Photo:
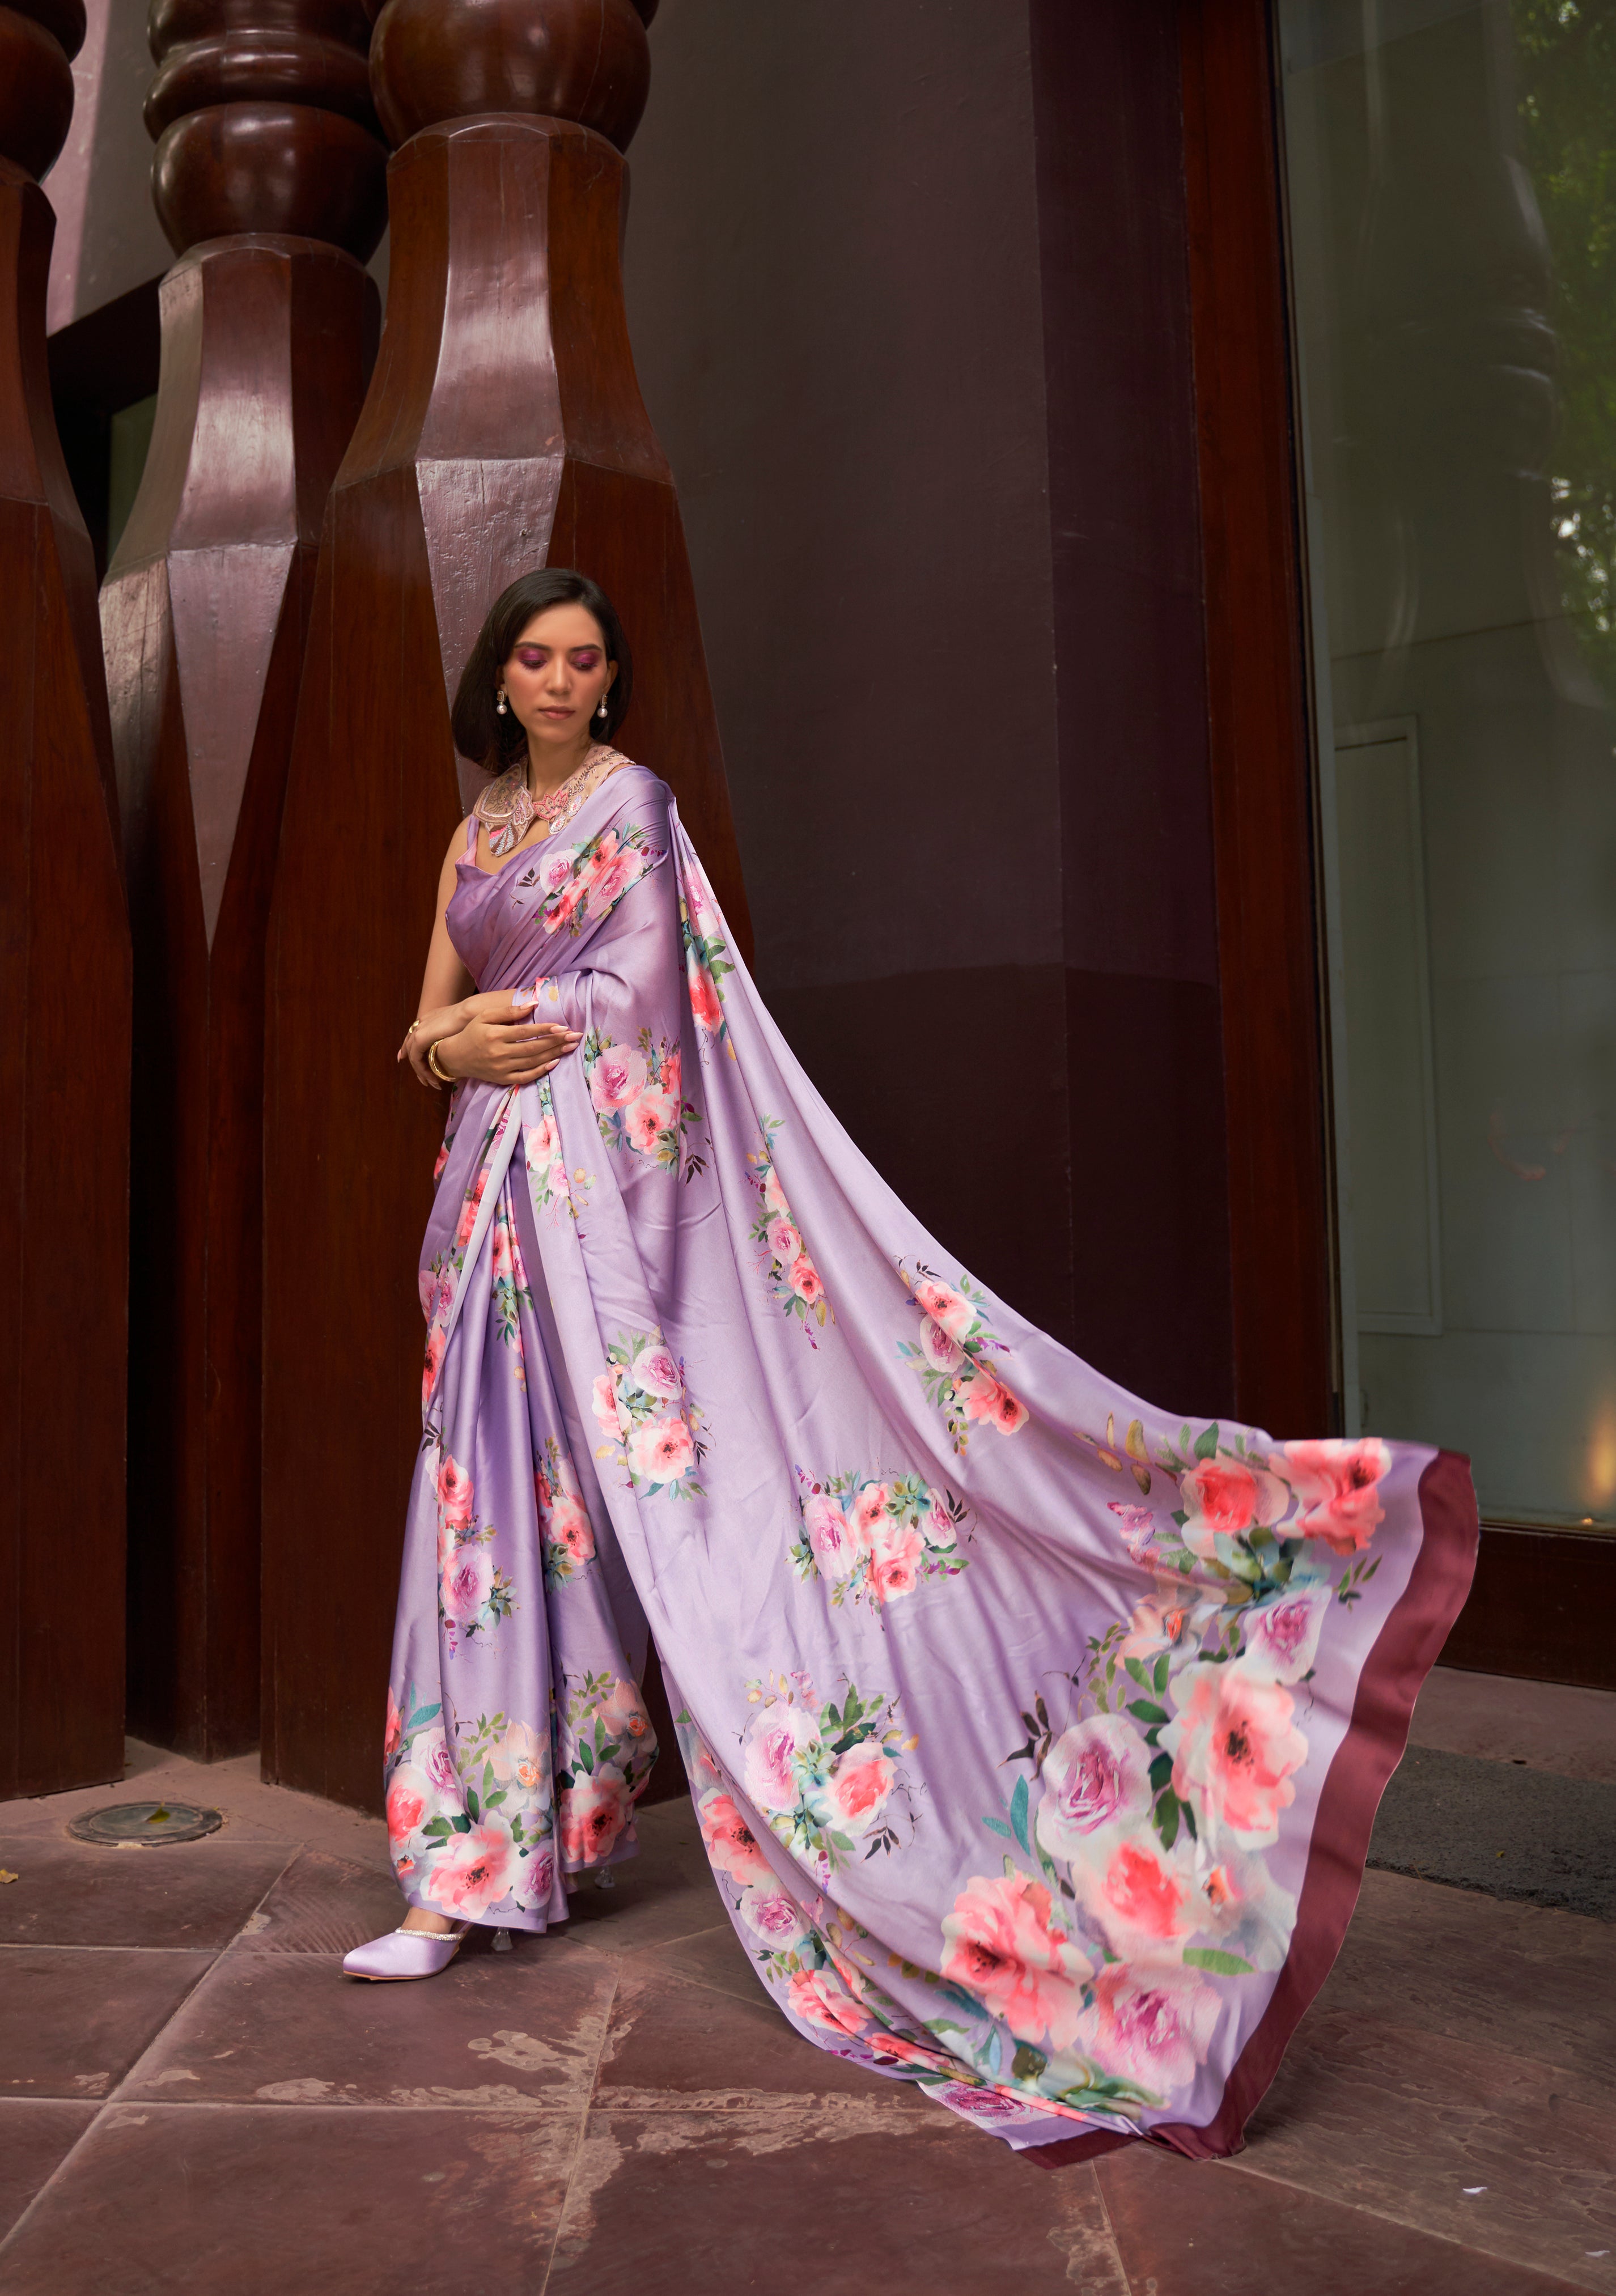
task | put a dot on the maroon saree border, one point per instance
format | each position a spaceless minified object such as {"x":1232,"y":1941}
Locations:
{"x":1404,"y":1652}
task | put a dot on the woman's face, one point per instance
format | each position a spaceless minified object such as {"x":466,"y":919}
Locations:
{"x":555,"y":676}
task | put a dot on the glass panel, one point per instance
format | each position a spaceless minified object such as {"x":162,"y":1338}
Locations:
{"x":1452,"y":178}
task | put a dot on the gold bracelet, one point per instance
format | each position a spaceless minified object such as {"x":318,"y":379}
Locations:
{"x":439,"y":1071}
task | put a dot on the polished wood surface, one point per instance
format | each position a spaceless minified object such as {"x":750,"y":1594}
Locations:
{"x":586,"y":60}
{"x":503,"y":429}
{"x":204,"y":609}
{"x":266,"y":337}
{"x":64,"y":1049}
{"x":1268,"y":921}
{"x":1538,"y":1606}
{"x":264,"y":119}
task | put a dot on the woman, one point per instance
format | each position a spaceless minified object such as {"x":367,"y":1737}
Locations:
{"x":1035,"y":1736}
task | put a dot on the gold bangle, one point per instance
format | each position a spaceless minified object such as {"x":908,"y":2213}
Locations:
{"x":439,"y":1071}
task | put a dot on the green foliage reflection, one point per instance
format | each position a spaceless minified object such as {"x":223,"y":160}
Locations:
{"x":1566,"y":60}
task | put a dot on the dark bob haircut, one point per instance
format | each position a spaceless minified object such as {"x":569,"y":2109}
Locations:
{"x":480,"y":733}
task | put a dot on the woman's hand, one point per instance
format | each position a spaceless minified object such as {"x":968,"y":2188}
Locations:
{"x":491,"y":1036}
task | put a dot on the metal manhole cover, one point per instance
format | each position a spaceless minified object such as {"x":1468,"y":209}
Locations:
{"x":145,"y":1822}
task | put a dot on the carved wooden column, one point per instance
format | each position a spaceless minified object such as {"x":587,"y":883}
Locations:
{"x":64,"y":1039}
{"x":269,"y":178}
{"x":504,"y":430}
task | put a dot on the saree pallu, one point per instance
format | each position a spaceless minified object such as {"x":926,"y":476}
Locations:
{"x":1035,"y":1736}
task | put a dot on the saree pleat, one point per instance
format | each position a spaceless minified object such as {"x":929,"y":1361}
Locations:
{"x":1035,"y":1735}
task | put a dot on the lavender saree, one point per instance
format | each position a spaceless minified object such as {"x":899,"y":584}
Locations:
{"x":1035,"y":1736}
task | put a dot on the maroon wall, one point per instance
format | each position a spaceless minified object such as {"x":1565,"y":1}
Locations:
{"x":909,"y":299}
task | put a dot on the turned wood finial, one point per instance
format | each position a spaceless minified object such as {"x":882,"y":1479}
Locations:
{"x":586,"y":60}
{"x":38,"y":38}
{"x":263,"y":115}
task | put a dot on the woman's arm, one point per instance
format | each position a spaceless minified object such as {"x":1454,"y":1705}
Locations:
{"x":491,"y":1037}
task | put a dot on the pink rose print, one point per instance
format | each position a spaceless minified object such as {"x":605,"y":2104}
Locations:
{"x":522,"y":1762}
{"x":940,"y":1350}
{"x":602,"y":1402}
{"x":1336,"y":1483}
{"x":1234,"y":1750}
{"x":940,"y":1524}
{"x":608,"y":884}
{"x":435,"y":1341}
{"x":858,"y":1786}
{"x":774,"y":1917}
{"x":554,"y":872}
{"x":1092,"y":1775}
{"x":782,"y":1238}
{"x":673,"y":1073}
{"x":453,"y":1495}
{"x":590,"y":1814}
{"x":830,"y":1537}
{"x":469,"y":1210}
{"x":1139,"y":1895}
{"x":1245,"y":1912}
{"x":819,"y":1998}
{"x":409,"y":1797}
{"x":1001,"y":1944}
{"x":981,"y":2103}
{"x":395,"y":1725}
{"x":651,"y":1115}
{"x":438,"y":1764}
{"x":467,"y":1584}
{"x":774,"y":1195}
{"x":803,"y":1277}
{"x":773,"y":1739}
{"x":704,"y":998}
{"x":568,"y":1527}
{"x":1151,"y":2027}
{"x":623,"y":1714}
{"x":539,"y":1142}
{"x":500,"y":1248}
{"x":535,"y":1879}
{"x":729,"y":1842}
{"x":472,"y":1874}
{"x":662,"y":1450}
{"x":1157,"y":1623}
{"x":896,"y":1552}
{"x":619,"y":1074}
{"x":657,"y":1374}
{"x":870,"y":1512}
{"x":1223,"y":1497}
{"x":955,"y":1314}
{"x":1282,"y":1638}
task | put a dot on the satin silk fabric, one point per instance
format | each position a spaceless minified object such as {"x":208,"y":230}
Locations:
{"x":1035,"y":1734}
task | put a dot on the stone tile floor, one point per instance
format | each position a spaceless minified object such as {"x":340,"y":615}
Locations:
{"x":192,"y":2099}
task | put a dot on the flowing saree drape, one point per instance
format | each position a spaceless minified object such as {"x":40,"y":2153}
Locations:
{"x":1035,"y":1735}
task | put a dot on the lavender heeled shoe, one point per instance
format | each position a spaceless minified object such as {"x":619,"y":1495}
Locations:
{"x":404,"y":1954}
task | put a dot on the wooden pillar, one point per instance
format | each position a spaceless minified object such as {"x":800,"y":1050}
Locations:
{"x":65,"y":1046}
{"x":269,"y":179}
{"x":504,"y":430}
{"x":1268,"y":928}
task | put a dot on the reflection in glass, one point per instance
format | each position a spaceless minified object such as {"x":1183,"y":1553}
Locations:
{"x":1452,"y":182}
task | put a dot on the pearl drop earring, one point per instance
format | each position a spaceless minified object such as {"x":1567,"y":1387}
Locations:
{"x":499,"y":702}
{"x":600,"y":712}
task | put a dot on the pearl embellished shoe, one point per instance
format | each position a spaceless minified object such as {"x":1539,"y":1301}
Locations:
{"x":405,"y":1952}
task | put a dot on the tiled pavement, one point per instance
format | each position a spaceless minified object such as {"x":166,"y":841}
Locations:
{"x":193,"y":2099}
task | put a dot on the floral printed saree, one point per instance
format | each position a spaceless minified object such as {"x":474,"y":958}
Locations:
{"x":1034,"y":1736}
